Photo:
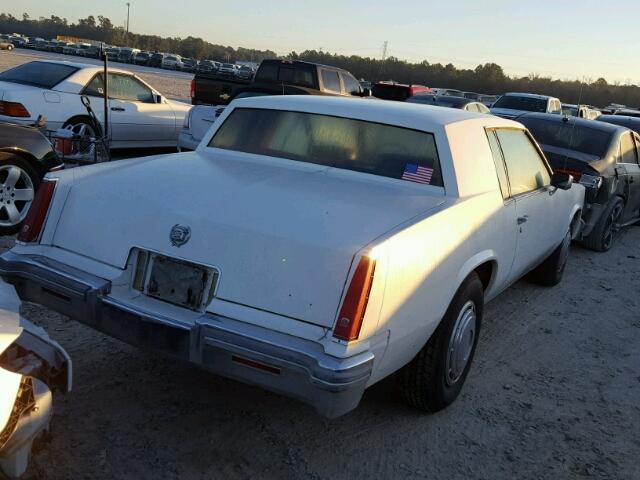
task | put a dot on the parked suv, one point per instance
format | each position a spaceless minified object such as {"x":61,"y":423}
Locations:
{"x":172,"y":62}
{"x":510,"y":105}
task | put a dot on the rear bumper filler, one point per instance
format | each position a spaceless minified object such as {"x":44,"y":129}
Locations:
{"x":289,"y":365}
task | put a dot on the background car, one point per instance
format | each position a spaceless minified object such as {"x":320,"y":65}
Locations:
{"x":228,"y":70}
{"x":604,"y":158}
{"x":26,"y":155}
{"x":156,"y":59}
{"x":189,"y":65}
{"x":127,"y":54}
{"x":448,"y":92}
{"x":172,"y":62}
{"x":139,"y":115}
{"x":208,"y":66}
{"x":142,"y":58}
{"x":511,"y":105}
{"x":112,"y":53}
{"x":452,"y":102}
{"x":5,"y":44}
{"x":397,"y":91}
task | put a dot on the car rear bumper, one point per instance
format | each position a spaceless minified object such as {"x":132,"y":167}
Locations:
{"x":186,"y":141}
{"x":286,"y":364}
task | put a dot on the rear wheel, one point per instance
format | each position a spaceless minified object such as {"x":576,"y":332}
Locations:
{"x":603,"y":235}
{"x":549,"y":273}
{"x":84,"y":130}
{"x":10,"y":47}
{"x":18,"y":184}
{"x":434,"y":378}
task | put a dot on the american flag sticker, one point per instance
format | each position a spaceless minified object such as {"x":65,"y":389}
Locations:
{"x":417,"y":173}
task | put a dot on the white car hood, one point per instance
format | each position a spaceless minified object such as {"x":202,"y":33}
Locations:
{"x":282,"y":233}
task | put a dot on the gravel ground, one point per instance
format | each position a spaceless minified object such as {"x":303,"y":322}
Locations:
{"x":553,"y":393}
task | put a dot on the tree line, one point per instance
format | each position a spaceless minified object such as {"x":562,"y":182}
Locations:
{"x":489,"y":78}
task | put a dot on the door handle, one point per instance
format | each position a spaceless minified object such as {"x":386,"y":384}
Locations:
{"x":523,"y":219}
{"x":117,"y":109}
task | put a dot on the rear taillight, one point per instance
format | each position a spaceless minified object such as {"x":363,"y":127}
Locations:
{"x":575,"y":173}
{"x":34,"y":221}
{"x":13,"y":109}
{"x":355,"y":301}
{"x":192,"y":91}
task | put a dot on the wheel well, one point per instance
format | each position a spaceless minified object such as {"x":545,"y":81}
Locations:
{"x":77,"y":117}
{"x":23,"y":155}
{"x":575,"y":223}
{"x":485,"y":273}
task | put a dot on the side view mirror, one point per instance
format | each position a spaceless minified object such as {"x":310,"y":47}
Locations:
{"x":561,"y":180}
{"x":157,"y":98}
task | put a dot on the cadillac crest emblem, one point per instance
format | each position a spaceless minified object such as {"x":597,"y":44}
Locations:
{"x":179,"y":235}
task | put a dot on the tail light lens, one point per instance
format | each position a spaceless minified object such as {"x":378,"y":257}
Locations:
{"x":34,"y":221}
{"x":576,"y":173}
{"x":355,"y":301}
{"x":13,"y":109}
{"x":192,"y":91}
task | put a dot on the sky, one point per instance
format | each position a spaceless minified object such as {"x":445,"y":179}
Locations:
{"x":567,"y":39}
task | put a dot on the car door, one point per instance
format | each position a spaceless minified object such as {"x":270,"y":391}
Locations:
{"x":629,"y":162}
{"x":135,"y":115}
{"x":540,"y":217}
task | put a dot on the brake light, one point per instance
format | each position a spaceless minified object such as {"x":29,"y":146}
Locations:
{"x":34,"y":221}
{"x":13,"y":109}
{"x":576,"y":173}
{"x":192,"y":92}
{"x":355,"y":301}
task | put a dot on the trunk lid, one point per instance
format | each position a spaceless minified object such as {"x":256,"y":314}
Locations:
{"x":282,"y":234}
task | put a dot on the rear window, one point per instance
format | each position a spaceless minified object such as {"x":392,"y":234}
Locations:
{"x":345,"y":143}
{"x":528,"y":104}
{"x":292,"y":74}
{"x":569,"y":136}
{"x":38,"y":74}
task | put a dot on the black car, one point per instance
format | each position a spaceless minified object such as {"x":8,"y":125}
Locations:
{"x":25,"y":157}
{"x":447,"y":101}
{"x":155,"y":60}
{"x":602,"y":157}
{"x":632,"y":123}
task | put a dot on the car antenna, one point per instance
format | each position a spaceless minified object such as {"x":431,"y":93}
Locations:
{"x":573,"y":127}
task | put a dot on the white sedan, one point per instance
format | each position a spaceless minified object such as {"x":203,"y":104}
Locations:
{"x":139,"y":116}
{"x":310,"y":245}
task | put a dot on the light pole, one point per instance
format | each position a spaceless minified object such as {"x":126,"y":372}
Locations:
{"x":128,"y":5}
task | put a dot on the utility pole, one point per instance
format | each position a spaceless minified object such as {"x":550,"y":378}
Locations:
{"x":128,"y":5}
{"x":385,"y":48}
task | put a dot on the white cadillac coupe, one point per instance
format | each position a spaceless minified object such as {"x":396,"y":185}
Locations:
{"x":310,"y":245}
{"x":139,"y":116}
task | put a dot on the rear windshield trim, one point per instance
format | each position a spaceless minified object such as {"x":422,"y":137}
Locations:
{"x":46,"y":86}
{"x":437,"y":165}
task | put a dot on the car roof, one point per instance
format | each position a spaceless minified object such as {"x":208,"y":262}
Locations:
{"x":410,"y":115}
{"x":83,"y":66}
{"x":529,"y":95}
{"x":579,"y":122}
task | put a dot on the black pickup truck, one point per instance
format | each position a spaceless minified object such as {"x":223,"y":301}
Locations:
{"x":310,"y":78}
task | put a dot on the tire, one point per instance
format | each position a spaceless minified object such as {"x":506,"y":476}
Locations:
{"x":434,"y":378}
{"x":17,"y":178}
{"x":10,"y":47}
{"x":603,"y":235}
{"x":549,"y":272}
{"x":82,"y":126}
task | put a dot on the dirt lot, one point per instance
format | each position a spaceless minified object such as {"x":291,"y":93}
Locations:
{"x":554,"y":392}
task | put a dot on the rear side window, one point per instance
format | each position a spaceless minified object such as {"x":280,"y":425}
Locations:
{"x":499,"y":163}
{"x":330,"y":80}
{"x":38,"y":74}
{"x":525,"y":166}
{"x":345,"y":143}
{"x":628,"y":149}
{"x":351,"y":85}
